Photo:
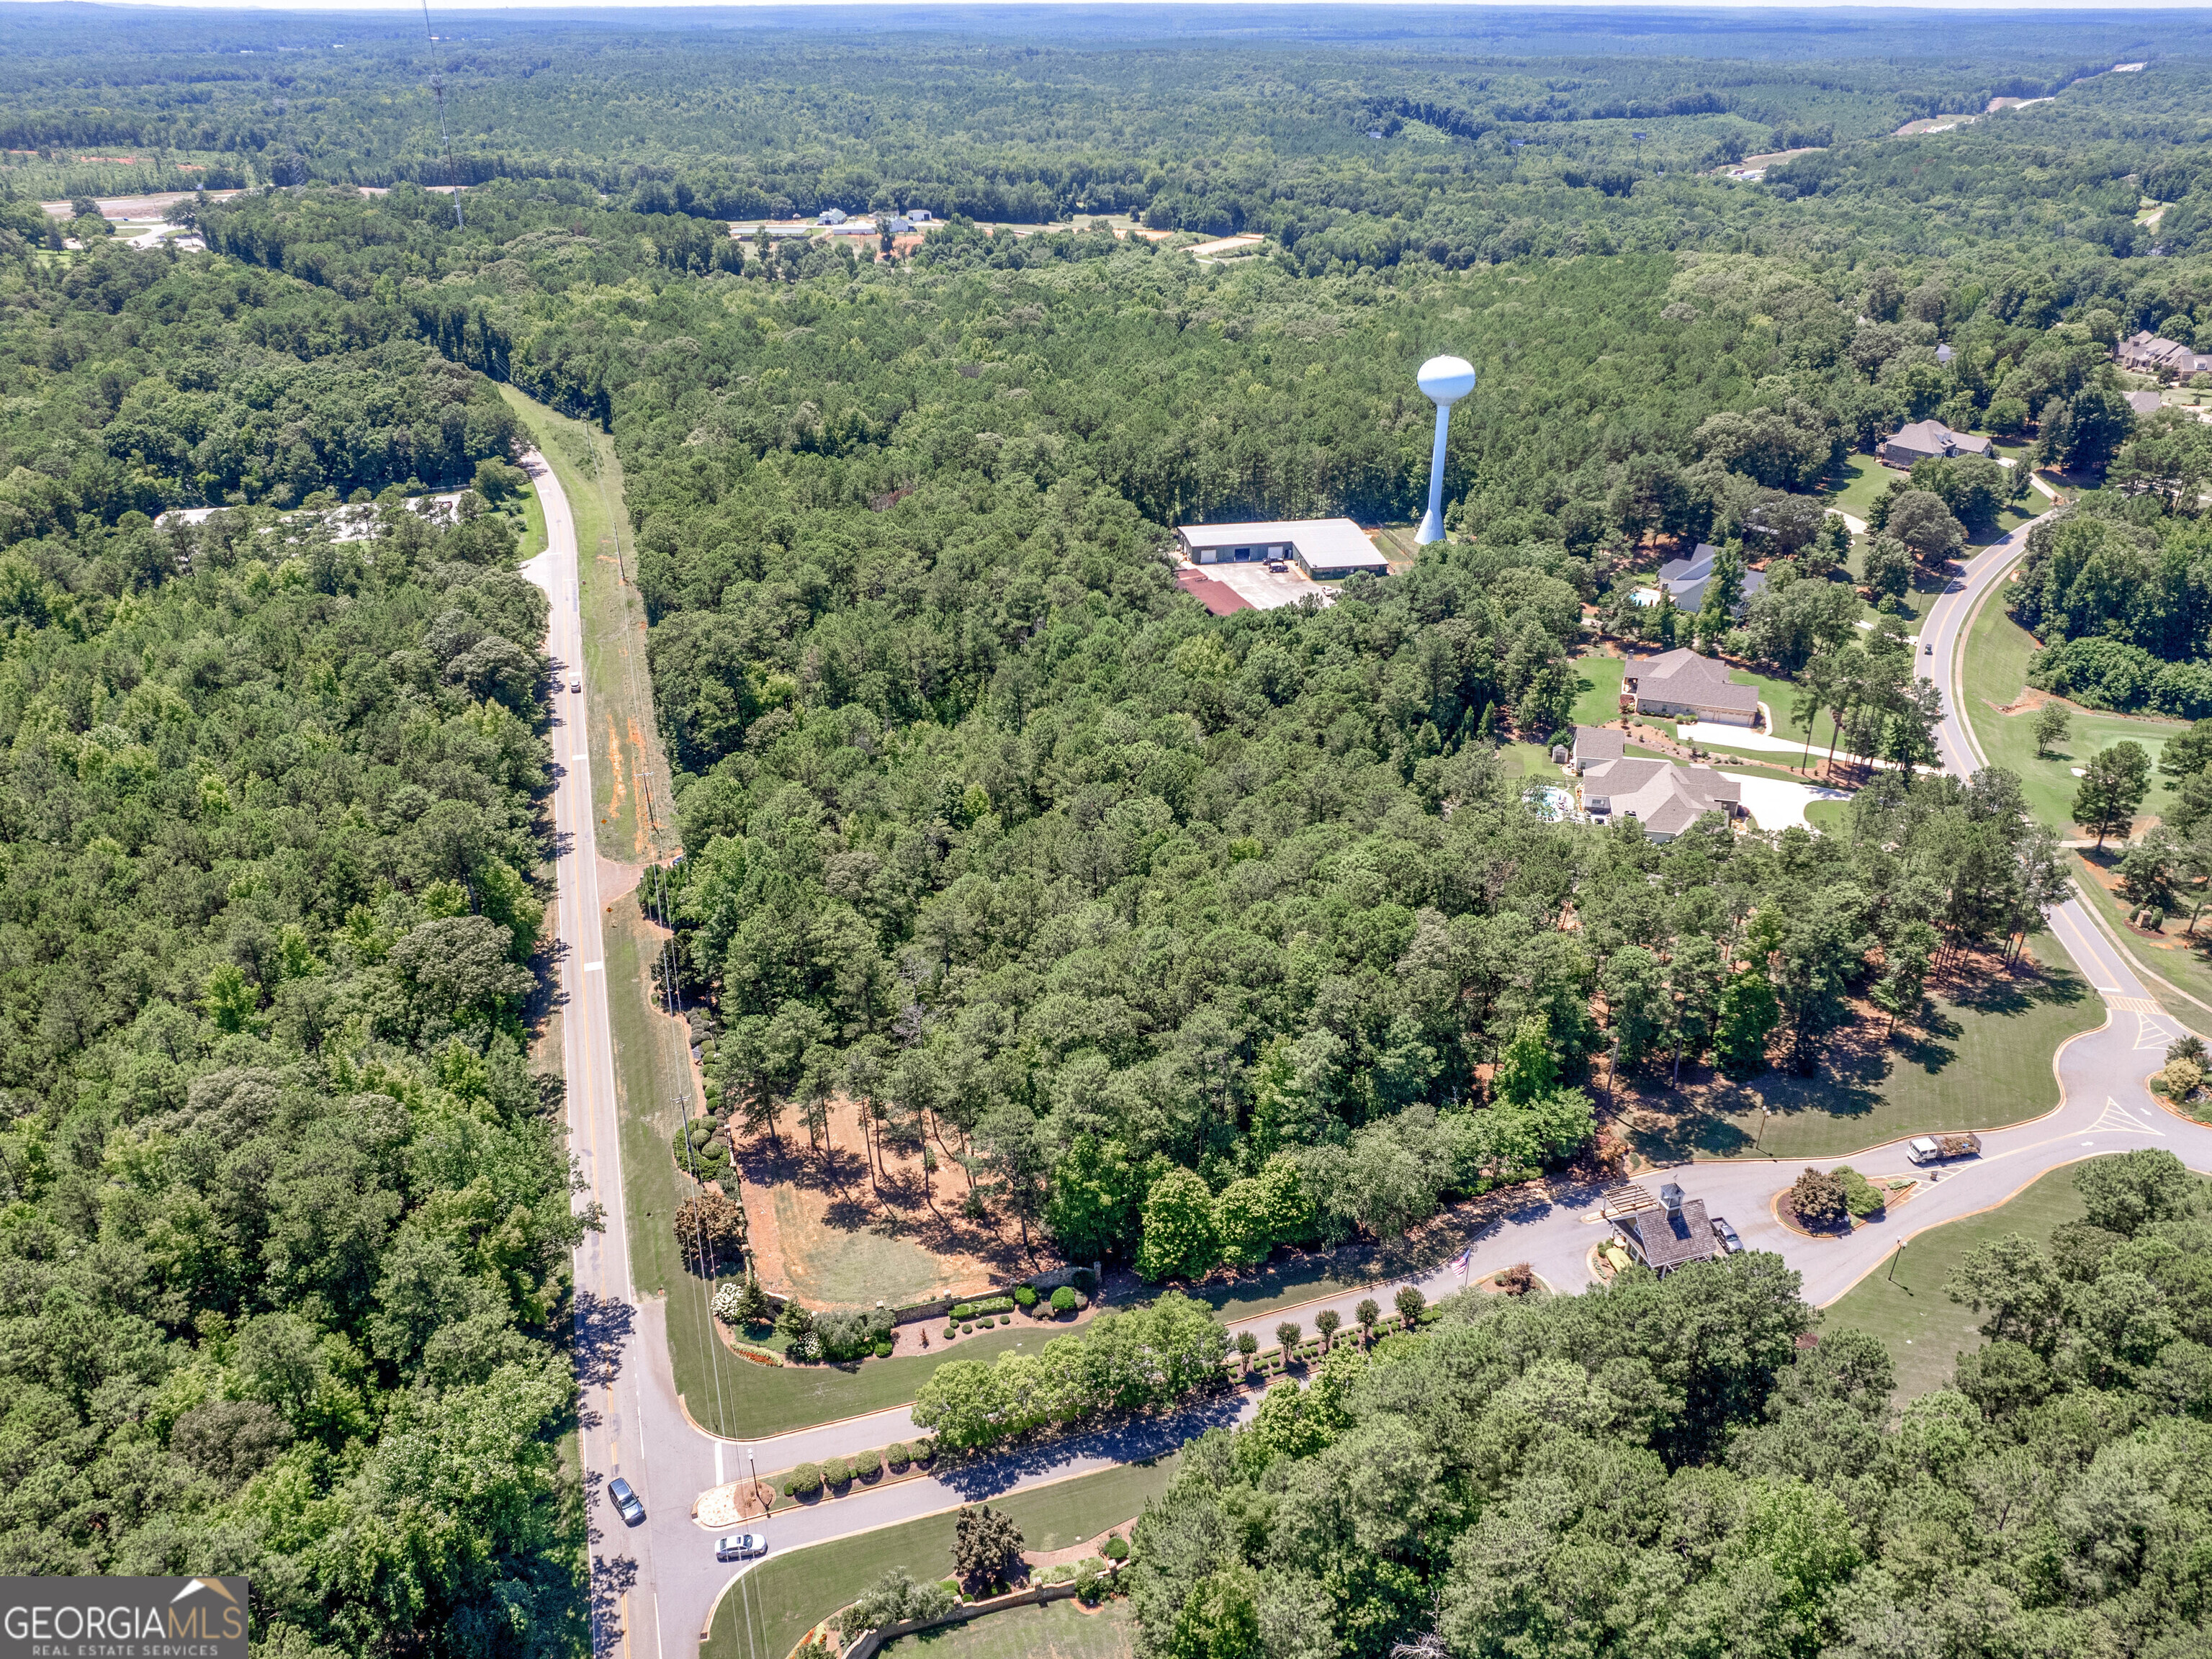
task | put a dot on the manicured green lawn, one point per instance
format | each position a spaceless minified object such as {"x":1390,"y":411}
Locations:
{"x":757,"y":1401}
{"x":2185,"y":959}
{"x":789,"y":1593}
{"x":1996,"y":673}
{"x":1924,"y":1330}
{"x":1597,"y":690}
{"x":1976,"y":1062}
{"x":1058,"y":1630}
{"x":1828,"y":817}
{"x":1778,"y":695}
{"x":1857,"y":481}
{"x":1762,"y":762}
{"x":1531,"y":760}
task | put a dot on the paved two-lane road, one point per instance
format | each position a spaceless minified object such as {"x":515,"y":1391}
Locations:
{"x":633,"y":1425}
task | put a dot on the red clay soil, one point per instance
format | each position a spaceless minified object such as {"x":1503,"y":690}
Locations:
{"x":836,"y":1194}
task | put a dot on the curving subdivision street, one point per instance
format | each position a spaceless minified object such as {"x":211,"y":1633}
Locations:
{"x":656,"y":1584}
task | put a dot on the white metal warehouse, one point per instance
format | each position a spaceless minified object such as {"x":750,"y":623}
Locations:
{"x":1325,"y":548}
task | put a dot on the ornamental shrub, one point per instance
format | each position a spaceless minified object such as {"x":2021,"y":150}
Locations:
{"x":898,"y":1457}
{"x":700,"y":1148}
{"x":962,"y":1310}
{"x":924,"y":1449}
{"x":883,"y":1351}
{"x":802,"y":1482}
{"x":1116,"y":1548}
{"x":1006,"y":1318}
{"x":866,"y":1465}
{"x":1025,"y":1298}
{"x":1861,"y":1197}
{"x":951,"y":1332}
{"x":1063,"y":1301}
{"x":967,"y":1330}
{"x":850,"y":1333}
{"x":836,"y":1471}
{"x":1818,"y":1198}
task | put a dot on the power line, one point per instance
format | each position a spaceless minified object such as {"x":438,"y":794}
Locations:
{"x":438,"y":85}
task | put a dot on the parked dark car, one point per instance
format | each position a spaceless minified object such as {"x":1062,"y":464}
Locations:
{"x":624,"y":1498}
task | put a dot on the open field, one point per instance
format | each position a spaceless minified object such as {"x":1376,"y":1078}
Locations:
{"x":790,"y":1594}
{"x":1058,"y":1630}
{"x":1981,"y":1058}
{"x":1924,"y":1330}
{"x":1996,"y":674}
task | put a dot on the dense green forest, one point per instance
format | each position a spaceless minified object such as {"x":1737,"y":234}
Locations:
{"x":1686,"y":1466}
{"x":283,"y":1253}
{"x":1193,"y":934}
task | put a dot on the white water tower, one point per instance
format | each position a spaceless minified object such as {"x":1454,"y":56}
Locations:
{"x":1444,"y":381}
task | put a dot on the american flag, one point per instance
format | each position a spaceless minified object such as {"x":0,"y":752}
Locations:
{"x":1465,"y":1257}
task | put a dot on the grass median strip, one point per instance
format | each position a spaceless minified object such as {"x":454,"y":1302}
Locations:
{"x":759,"y":1400}
{"x":789,"y":1593}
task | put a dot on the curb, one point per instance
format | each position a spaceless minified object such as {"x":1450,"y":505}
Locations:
{"x":706,"y":1624}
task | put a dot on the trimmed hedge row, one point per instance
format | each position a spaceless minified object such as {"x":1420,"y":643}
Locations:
{"x":810,"y":1478}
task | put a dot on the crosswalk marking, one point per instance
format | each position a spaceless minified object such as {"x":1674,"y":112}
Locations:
{"x":2135,"y":1006}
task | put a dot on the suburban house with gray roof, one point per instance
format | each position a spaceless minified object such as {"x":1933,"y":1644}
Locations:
{"x":1930,"y":440}
{"x":2147,"y":353}
{"x":1679,"y":684}
{"x":2144,"y":403}
{"x":1663,"y":798}
{"x":1595,"y":744}
{"x":1687,"y":579}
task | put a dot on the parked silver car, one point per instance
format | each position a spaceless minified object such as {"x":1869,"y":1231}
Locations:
{"x":739,"y":1546}
{"x":1730,"y":1243}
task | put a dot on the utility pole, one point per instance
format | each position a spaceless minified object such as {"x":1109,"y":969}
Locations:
{"x":1892,"y":1260}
